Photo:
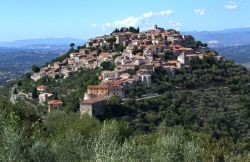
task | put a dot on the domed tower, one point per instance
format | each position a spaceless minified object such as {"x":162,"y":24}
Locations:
{"x":156,"y":27}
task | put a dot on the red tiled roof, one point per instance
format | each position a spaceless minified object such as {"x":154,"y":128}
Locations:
{"x":174,"y":46}
{"x":55,"y":102}
{"x":94,"y":100}
{"x":172,"y":62}
{"x":42,"y":87}
{"x":185,"y":49}
{"x":97,"y":86}
{"x":116,"y":82}
{"x":104,"y":55}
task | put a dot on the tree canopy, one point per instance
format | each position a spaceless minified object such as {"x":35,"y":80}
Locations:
{"x":125,"y":29}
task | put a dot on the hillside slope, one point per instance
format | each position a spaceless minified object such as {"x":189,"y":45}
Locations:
{"x":192,"y":106}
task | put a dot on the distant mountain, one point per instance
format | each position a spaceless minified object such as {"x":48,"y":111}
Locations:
{"x":228,"y":37}
{"x":240,"y":54}
{"x":17,"y":57}
{"x":47,"y":47}
{"x":42,"y":43}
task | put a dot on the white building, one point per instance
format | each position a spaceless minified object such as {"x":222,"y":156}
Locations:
{"x":44,"y":97}
{"x":182,"y":58}
{"x":37,"y":76}
{"x":146,"y":79}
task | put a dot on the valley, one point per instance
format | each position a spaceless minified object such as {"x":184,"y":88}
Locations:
{"x":15,"y":62}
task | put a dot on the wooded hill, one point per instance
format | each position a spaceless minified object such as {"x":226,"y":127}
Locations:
{"x":201,"y":114}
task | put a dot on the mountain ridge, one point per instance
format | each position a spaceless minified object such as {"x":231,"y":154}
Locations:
{"x":227,"y":37}
{"x":43,"y":41}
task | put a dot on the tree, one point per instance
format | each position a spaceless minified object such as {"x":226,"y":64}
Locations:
{"x":78,"y":48}
{"x":35,"y":69}
{"x":34,"y":93}
{"x":190,"y":42}
{"x":107,"y":65}
{"x":120,"y":47}
{"x":131,"y":72}
{"x":129,"y":29}
{"x":116,"y":30}
{"x":72,"y":45}
{"x":136,"y":50}
{"x":111,"y":40}
{"x":138,"y":30}
{"x":205,"y":45}
{"x":19,"y":83}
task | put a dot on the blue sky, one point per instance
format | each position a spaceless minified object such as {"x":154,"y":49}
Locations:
{"x":25,"y":19}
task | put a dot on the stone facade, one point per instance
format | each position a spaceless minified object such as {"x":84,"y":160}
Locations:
{"x":93,"y":106}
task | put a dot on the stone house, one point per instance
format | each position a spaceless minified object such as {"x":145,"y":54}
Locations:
{"x":98,"y":90}
{"x":54,"y":104}
{"x":41,"y":88}
{"x":93,"y":106}
{"x":37,"y":76}
{"x":44,"y":97}
{"x":109,"y":75}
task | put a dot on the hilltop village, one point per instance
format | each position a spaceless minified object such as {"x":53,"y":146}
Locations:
{"x":127,"y":57}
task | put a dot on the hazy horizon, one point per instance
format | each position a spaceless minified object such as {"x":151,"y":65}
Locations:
{"x":30,"y":19}
{"x":84,"y":39}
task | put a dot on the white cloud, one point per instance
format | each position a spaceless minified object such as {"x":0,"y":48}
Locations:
{"x":175,"y":25}
{"x":133,"y":20}
{"x":164,"y":13}
{"x":200,"y":12}
{"x":213,"y":42}
{"x":94,"y":25}
{"x":148,"y":15}
{"x":231,"y":5}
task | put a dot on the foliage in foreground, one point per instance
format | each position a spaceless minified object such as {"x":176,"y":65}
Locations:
{"x":67,"y":137}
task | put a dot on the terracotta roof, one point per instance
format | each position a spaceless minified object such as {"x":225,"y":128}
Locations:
{"x":172,"y":62}
{"x":94,"y":100}
{"x":116,"y":82}
{"x":104,"y":55}
{"x":174,"y":46}
{"x":42,"y":87}
{"x":97,"y":86}
{"x":185,"y":49}
{"x":165,"y":34}
{"x":55,"y":102}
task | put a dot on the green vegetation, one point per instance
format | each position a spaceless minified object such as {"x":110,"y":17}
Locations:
{"x":64,"y":136}
{"x":136,"y":51}
{"x":63,"y":57}
{"x":192,"y":43}
{"x":120,"y":47}
{"x":35,"y":69}
{"x":207,"y":73}
{"x":124,"y":29}
{"x":111,"y":40}
{"x":201,"y":114}
{"x":68,"y":91}
{"x":72,"y":45}
{"x":107,"y":65}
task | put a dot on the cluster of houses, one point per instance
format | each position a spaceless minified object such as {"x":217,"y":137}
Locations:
{"x":48,"y":98}
{"x":143,"y":52}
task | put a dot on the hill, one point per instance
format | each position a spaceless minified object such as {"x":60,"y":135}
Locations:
{"x":240,"y":54}
{"x":228,"y":37}
{"x":129,"y":96}
{"x":42,"y":43}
